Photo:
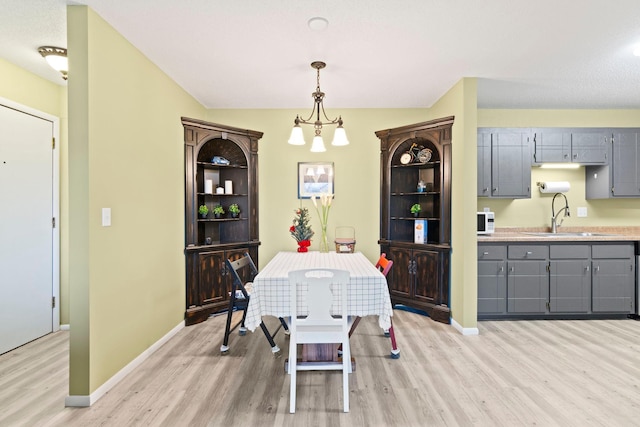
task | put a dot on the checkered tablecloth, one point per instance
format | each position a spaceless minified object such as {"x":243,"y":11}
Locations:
{"x":368,"y":291}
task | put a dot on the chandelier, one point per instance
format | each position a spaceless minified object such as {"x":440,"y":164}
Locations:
{"x":339,"y":137}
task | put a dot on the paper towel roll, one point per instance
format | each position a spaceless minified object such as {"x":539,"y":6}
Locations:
{"x":554,"y":186}
{"x":208,"y":186}
{"x":228,"y":187}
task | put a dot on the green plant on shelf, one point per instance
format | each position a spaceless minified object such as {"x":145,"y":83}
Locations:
{"x":415,"y":209}
{"x":234,"y":209}
{"x":218,"y":210}
{"x":203,"y":210}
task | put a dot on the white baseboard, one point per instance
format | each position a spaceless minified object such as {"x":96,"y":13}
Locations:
{"x":464,"y":331}
{"x":65,"y":327}
{"x":84,"y":401}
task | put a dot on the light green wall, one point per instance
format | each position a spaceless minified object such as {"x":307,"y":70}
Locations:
{"x":127,"y":281}
{"x":461,"y":101}
{"x":357,"y":172}
{"x":536,"y":212}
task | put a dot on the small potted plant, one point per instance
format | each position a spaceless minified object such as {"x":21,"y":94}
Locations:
{"x":415,"y":209}
{"x":218,"y":211}
{"x":234,"y":210}
{"x":203,"y":210}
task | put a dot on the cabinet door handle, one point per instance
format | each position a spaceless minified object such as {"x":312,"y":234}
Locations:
{"x":501,"y":269}
{"x":485,"y":253}
{"x":597,"y":268}
{"x":511,"y":270}
{"x":529,"y":253}
{"x":485,"y":189}
{"x":586,"y":269}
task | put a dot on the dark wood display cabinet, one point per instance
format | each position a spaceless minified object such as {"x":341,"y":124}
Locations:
{"x":420,"y":274}
{"x":221,"y":168}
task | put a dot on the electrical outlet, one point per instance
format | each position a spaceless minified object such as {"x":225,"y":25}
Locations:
{"x":582,"y":212}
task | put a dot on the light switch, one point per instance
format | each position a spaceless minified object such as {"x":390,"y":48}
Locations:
{"x":582,"y":212}
{"x":106,"y":217}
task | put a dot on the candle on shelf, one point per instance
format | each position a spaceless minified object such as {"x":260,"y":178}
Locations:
{"x":208,"y":186}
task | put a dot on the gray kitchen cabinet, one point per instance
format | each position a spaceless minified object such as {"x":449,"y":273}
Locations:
{"x":484,"y":164}
{"x":565,"y":145}
{"x":492,"y":279}
{"x":510,"y":163}
{"x":527,"y":279}
{"x":626,"y":166}
{"x":569,"y":278}
{"x":613,"y":278}
{"x":551,"y":145}
{"x":579,"y":280}
{"x":590,"y":146}
{"x":620,"y":178}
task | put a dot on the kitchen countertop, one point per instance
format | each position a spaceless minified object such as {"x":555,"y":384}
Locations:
{"x":596,"y":234}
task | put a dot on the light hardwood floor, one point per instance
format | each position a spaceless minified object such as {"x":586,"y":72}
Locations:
{"x":515,"y":373}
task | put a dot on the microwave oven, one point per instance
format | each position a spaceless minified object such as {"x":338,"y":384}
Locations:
{"x":486,"y":222}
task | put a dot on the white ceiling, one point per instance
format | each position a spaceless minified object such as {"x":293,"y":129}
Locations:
{"x":379,"y":53}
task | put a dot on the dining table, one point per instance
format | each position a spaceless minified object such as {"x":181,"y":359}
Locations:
{"x":368,"y":293}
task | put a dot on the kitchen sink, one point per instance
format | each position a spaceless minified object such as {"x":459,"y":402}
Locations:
{"x":568,"y":234}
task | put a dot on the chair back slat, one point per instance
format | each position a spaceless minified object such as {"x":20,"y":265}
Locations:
{"x":384,"y":264}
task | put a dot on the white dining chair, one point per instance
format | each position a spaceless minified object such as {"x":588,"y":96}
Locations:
{"x":317,"y":289}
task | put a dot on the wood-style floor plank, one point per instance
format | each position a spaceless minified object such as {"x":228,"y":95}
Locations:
{"x":515,"y":373}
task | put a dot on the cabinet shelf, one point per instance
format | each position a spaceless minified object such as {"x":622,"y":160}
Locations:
{"x":224,"y":195}
{"x":418,"y":165}
{"x":412,"y":218}
{"x":416,"y":193}
{"x":221,"y":219}
{"x":209,"y":165}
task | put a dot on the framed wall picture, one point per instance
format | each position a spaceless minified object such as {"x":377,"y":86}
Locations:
{"x":314,"y":178}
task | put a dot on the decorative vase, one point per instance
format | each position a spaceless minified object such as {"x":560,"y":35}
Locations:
{"x":203,"y":216}
{"x":303,"y":245}
{"x":216,"y":216}
{"x":416,"y":214}
{"x":324,"y":245}
{"x":235,"y":214}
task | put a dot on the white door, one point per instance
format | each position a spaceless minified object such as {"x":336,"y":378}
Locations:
{"x":26,"y":232}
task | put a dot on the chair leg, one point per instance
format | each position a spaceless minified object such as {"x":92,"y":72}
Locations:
{"x":351,"y":331}
{"x":224,"y":348}
{"x":274,"y":348}
{"x":293,"y":359}
{"x":346,"y":369}
{"x":395,"y":353}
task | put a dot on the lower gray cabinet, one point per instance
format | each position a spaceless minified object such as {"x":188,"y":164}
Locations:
{"x":569,"y":278}
{"x":564,"y":279}
{"x":492,"y":279}
{"x":613,"y":279}
{"x":527,"y":287}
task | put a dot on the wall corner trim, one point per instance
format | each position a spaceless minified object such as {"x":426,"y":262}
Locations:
{"x":464,"y":331}
{"x":85,"y":401}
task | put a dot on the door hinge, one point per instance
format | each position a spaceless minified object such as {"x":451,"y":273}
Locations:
{"x":53,"y":143}
{"x":53,"y":302}
{"x":53,"y":222}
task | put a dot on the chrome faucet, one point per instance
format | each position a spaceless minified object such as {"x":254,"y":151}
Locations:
{"x":554,"y":215}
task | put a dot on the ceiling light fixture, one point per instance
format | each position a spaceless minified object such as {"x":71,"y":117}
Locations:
{"x":339,"y":137}
{"x":56,"y":57}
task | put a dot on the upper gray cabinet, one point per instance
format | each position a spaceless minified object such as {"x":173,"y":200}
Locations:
{"x":504,"y":163}
{"x":620,"y":178}
{"x":563,"y":145}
